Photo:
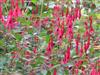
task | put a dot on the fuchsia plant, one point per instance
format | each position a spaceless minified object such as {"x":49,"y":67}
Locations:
{"x":51,"y":42}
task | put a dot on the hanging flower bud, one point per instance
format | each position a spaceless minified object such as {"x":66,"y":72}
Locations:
{"x":35,"y":50}
{"x":77,"y":1}
{"x":17,"y":11}
{"x":22,"y":1}
{"x":55,"y":72}
{"x":77,"y":44}
{"x":50,"y":46}
{"x":78,"y":63}
{"x":91,"y":27}
{"x":12,"y":3}
{"x":66,"y":56}
{"x":4,"y":1}
{"x":56,"y":10}
{"x":87,"y":44}
{"x":76,"y":71}
{"x":81,"y":51}
{"x":93,"y":71}
{"x":27,"y":54}
{"x":0,"y":12}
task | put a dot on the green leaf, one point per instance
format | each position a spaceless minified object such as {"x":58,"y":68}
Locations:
{"x":66,"y":72}
{"x":34,"y":1}
{"x":47,"y":38}
{"x":18,"y":37}
{"x":1,"y":42}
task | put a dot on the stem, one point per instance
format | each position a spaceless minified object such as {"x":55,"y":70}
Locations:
{"x":41,"y":8}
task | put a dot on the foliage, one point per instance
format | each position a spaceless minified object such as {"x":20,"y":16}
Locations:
{"x":49,"y":37}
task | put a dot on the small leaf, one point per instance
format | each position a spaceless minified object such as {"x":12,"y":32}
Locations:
{"x":34,"y":1}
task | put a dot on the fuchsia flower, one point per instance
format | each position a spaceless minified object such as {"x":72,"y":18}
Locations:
{"x":4,"y":1}
{"x":55,"y":72}
{"x":77,"y":1}
{"x":91,"y":27}
{"x":87,"y":44}
{"x":76,"y":71}
{"x":9,"y":23}
{"x":49,"y":47}
{"x":1,"y":12}
{"x":22,"y":1}
{"x":86,"y":25}
{"x":81,"y":51}
{"x":17,"y":11}
{"x":60,"y":34}
{"x":93,"y":71}
{"x":35,"y":50}
{"x":86,"y":33}
{"x":45,"y":21}
{"x":78,"y":63}
{"x":66,"y":56}
{"x":56,"y":9}
{"x":27,"y":54}
{"x":12,"y":3}
{"x":69,"y":32}
{"x":77,"y":13}
{"x":36,"y":23}
{"x":77,"y":43}
{"x":14,"y":54}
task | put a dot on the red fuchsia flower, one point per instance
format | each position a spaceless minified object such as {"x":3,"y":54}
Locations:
{"x":45,"y":21}
{"x":77,"y":43}
{"x":35,"y":50}
{"x":22,"y":1}
{"x":56,"y":30}
{"x":27,"y":54}
{"x":91,"y":20}
{"x":86,"y":33}
{"x":56,"y":10}
{"x":57,"y":24}
{"x":49,"y":47}
{"x":4,"y":1}
{"x":1,"y":1}
{"x":1,"y":12}
{"x":86,"y":25}
{"x":55,"y":72}
{"x":76,"y":71}
{"x":91,"y":27}
{"x":14,"y":54}
{"x":17,"y":11}
{"x":78,"y":63}
{"x":36,"y":23}
{"x":87,"y":44}
{"x":9,"y":23}
{"x":77,"y":1}
{"x":81,"y":51}
{"x":1,"y":17}
{"x":69,"y":32}
{"x":12,"y":3}
{"x":83,"y":72}
{"x":60,"y":34}
{"x":93,"y":71}
{"x":66,"y":56}
{"x":77,"y":13}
